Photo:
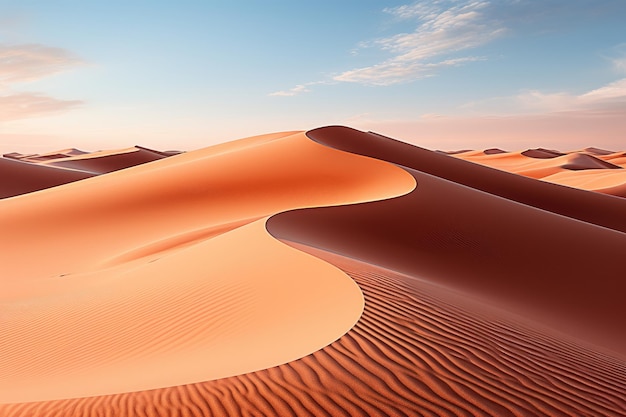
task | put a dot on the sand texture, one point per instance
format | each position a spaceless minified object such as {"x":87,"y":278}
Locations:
{"x":329,"y":272}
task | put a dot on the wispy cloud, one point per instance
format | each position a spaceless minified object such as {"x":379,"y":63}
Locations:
{"x":26,"y":105}
{"x":444,"y":28}
{"x":30,"y":62}
{"x":394,"y":71}
{"x":617,"y":58}
{"x":608,"y":98}
{"x":298,"y":89}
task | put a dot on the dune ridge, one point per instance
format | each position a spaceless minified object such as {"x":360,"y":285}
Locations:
{"x":179,"y":261}
{"x":455,"y":215}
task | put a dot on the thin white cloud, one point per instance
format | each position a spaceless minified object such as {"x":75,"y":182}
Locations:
{"x":26,"y":105}
{"x":612,"y":91}
{"x":299,"y":89}
{"x":444,"y":28}
{"x":393,"y":72}
{"x":608,"y":98}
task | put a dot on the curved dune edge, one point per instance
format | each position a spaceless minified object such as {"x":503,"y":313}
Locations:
{"x":549,"y":268}
{"x":418,"y":349}
{"x":233,"y":315}
{"x":130,"y":325}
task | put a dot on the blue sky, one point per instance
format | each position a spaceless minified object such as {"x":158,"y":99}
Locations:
{"x":443,"y":74}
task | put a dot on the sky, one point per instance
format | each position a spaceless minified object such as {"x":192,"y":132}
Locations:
{"x":442,"y":74}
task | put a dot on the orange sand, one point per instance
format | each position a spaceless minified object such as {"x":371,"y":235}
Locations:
{"x":163,"y":274}
{"x":588,"y":169}
{"x":161,"y":289}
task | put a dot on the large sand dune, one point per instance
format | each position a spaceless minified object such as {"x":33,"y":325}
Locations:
{"x":416,"y":284}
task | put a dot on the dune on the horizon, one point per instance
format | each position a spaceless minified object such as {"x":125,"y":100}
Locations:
{"x":327,"y":272}
{"x":22,"y":177}
{"x":591,"y":169}
{"x":23,"y":174}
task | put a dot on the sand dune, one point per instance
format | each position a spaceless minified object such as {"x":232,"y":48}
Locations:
{"x":163,"y":274}
{"x":541,"y":153}
{"x":26,"y":173}
{"x":493,"y":255}
{"x":22,"y":177}
{"x":107,"y":161}
{"x":604,"y":181}
{"x":589,"y":169}
{"x":416,"y":283}
{"x":418,"y":349}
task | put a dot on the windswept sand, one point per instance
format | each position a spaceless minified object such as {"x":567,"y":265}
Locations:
{"x":164,"y":274}
{"x":485,"y":292}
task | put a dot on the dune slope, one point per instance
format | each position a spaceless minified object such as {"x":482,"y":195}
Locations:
{"x":22,"y":177}
{"x":418,"y":349}
{"x":103,"y":162}
{"x":163,"y":274}
{"x":482,"y":292}
{"x":528,"y":260}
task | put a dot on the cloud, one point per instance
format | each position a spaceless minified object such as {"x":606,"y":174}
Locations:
{"x":444,"y":28}
{"x":528,"y":119}
{"x":611,"y":92}
{"x":393,"y":72}
{"x":299,"y":89}
{"x":30,"y":62}
{"x":26,"y":105}
{"x":609,"y":99}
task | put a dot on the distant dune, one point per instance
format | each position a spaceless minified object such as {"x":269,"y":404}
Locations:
{"x":22,"y":174}
{"x":22,"y":177}
{"x":590,"y":169}
{"x":328,"y":272}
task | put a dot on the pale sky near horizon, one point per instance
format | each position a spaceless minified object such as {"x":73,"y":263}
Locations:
{"x":444,"y":74}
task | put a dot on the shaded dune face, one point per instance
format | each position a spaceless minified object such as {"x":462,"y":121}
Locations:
{"x":101,"y":164}
{"x":19,"y":177}
{"x":578,"y":204}
{"x":524,"y":259}
{"x":23,"y":174}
